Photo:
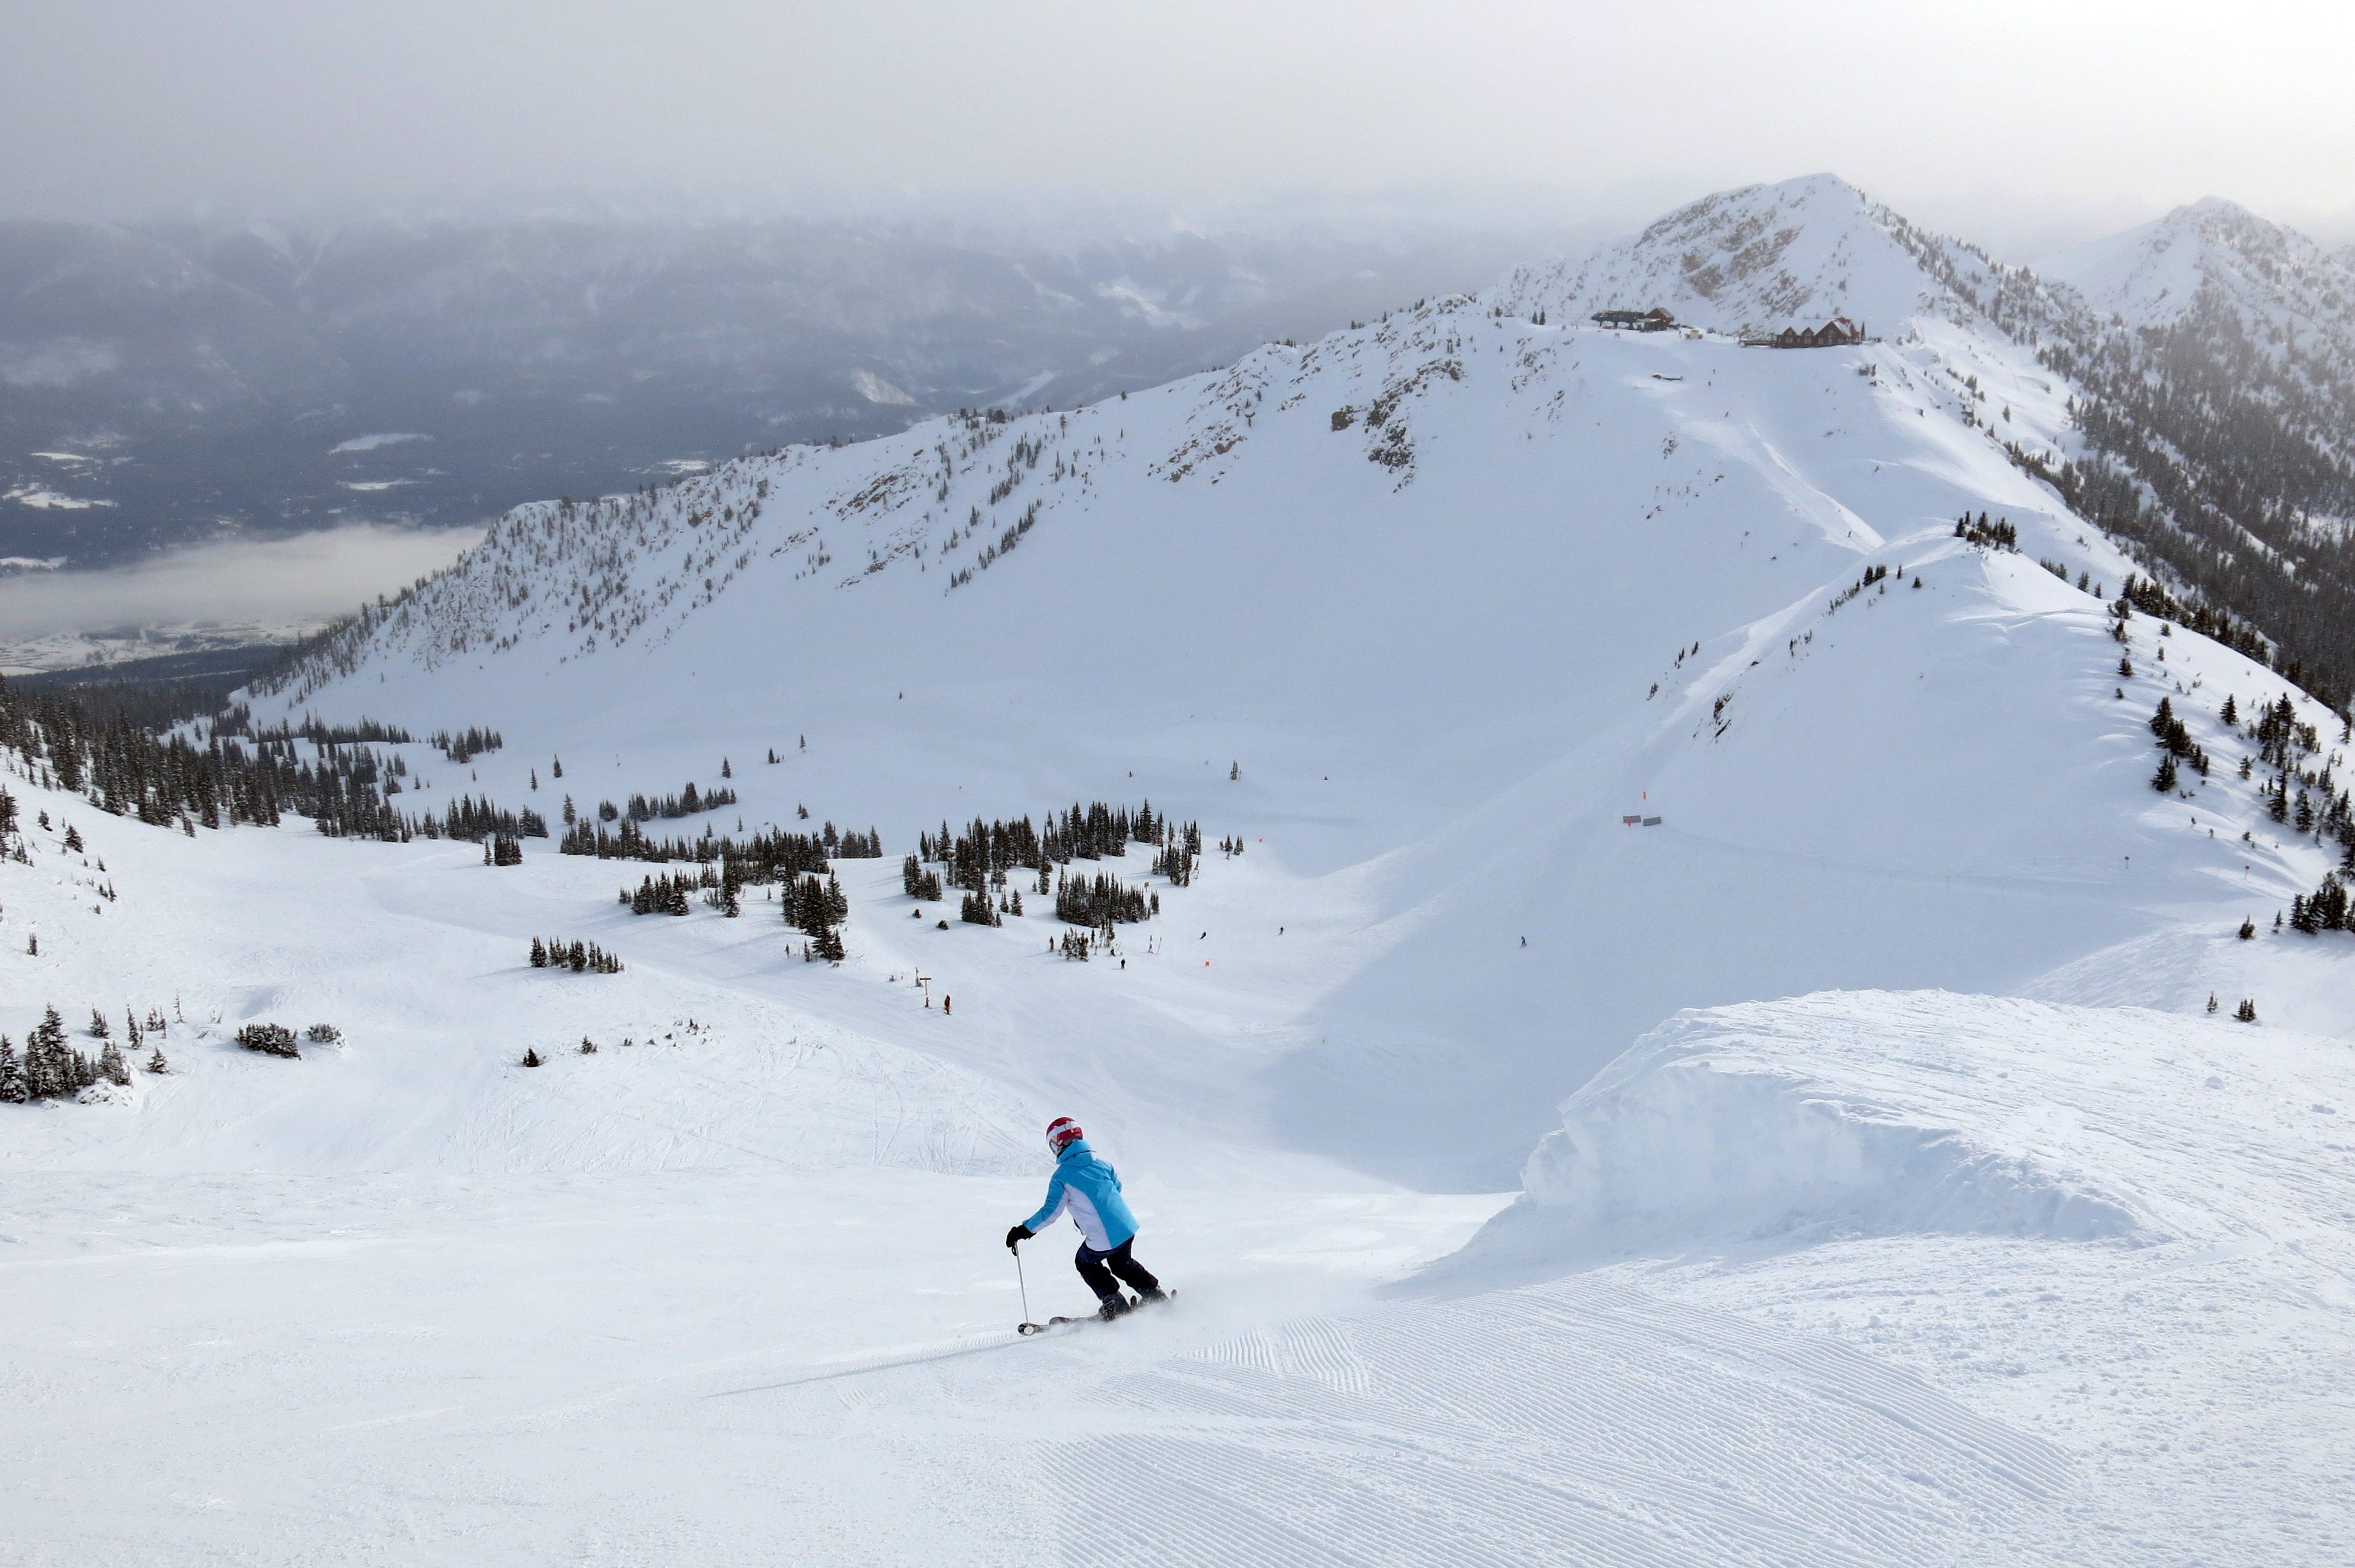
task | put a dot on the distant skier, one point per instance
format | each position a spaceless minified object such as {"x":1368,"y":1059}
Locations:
{"x":1089,"y":1190}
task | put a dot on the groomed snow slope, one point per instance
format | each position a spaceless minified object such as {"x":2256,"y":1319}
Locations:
{"x":1862,"y":1113}
{"x":1792,"y":1282}
{"x":731,"y":1344}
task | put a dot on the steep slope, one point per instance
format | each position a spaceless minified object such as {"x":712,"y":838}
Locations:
{"x":2211,"y":355}
{"x":1457,"y":593}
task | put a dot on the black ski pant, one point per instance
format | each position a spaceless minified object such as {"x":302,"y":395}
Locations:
{"x":1098,"y":1268}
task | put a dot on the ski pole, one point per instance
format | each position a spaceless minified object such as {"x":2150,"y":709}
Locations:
{"x":1022,"y":1282}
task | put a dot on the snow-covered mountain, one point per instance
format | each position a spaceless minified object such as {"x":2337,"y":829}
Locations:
{"x":2272,"y":276}
{"x":1766,"y":257}
{"x":1551,"y":682}
{"x":1457,"y":592}
{"x":2214,"y":358}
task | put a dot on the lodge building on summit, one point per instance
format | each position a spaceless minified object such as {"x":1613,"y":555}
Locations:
{"x":1653,"y":320}
{"x":1837,"y":333}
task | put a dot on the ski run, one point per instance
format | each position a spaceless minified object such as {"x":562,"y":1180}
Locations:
{"x":1686,"y":1039}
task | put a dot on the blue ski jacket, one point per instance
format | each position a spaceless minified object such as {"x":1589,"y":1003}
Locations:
{"x":1090,"y":1189}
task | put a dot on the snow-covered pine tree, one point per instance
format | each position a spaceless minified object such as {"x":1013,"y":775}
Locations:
{"x":48,"y":1062}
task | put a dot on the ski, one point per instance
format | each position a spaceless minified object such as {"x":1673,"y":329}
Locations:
{"x":1134,"y":1302}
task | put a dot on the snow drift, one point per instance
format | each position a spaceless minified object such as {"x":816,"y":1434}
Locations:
{"x":1881,"y":1113}
{"x":1741,"y":1121}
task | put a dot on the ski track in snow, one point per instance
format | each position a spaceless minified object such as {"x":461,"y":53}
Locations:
{"x":1581,"y":1419}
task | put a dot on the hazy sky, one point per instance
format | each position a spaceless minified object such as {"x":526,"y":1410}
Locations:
{"x":2052,"y":113}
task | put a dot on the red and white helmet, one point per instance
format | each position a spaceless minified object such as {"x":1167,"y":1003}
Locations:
{"x":1060,"y":1131}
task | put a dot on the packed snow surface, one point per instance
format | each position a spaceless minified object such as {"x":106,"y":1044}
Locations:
{"x":1941,"y":1221}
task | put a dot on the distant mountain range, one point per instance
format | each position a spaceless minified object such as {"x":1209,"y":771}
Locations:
{"x":168,"y":384}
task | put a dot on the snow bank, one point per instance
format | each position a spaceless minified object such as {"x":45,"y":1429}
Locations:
{"x":1881,"y":1113}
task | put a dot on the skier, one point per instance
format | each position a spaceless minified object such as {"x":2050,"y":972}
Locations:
{"x":1090,"y":1189}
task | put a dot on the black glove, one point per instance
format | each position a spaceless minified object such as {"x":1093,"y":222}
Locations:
{"x":1019,"y":1234}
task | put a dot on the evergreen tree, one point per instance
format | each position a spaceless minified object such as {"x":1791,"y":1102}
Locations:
{"x":48,"y":1062}
{"x":13,"y":1087}
{"x":2246,"y":1012}
{"x":269,"y":1039}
